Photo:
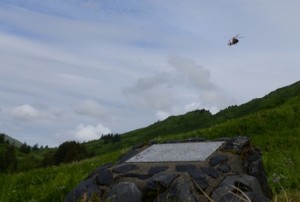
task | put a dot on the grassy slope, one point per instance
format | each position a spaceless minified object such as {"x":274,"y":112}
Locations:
{"x":13,"y":141}
{"x":273,"y":123}
{"x":198,"y":119}
{"x":49,"y":184}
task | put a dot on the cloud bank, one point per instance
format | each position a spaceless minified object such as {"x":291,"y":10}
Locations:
{"x":186,"y":86}
{"x":84,"y":132}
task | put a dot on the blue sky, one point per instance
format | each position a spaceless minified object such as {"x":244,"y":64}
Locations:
{"x":76,"y":69}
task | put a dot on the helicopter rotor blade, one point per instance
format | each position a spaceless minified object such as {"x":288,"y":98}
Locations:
{"x":238,"y":36}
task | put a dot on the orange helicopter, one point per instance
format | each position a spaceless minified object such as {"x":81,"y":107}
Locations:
{"x":234,"y":40}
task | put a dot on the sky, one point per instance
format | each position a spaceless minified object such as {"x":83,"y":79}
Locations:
{"x":77,"y":69}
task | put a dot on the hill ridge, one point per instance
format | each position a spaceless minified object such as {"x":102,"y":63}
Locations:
{"x":202,"y":118}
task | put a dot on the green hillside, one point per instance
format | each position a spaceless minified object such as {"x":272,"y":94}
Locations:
{"x":11,"y":140}
{"x":272,"y":122}
{"x":199,"y":119}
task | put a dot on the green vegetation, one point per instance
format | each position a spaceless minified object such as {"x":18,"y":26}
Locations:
{"x":49,"y":184}
{"x":10,"y":140}
{"x":273,"y":123}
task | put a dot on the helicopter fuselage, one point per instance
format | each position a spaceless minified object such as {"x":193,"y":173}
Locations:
{"x":233,"y":41}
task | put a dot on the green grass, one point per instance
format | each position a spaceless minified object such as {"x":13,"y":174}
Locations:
{"x":49,"y":184}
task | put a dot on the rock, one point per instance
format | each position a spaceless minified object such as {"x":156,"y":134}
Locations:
{"x":157,"y":169}
{"x":233,"y":188}
{"x":105,"y":177}
{"x":125,"y":168}
{"x":199,"y":178}
{"x":180,"y":191}
{"x":134,"y":175}
{"x":163,"y":179}
{"x":157,"y":185}
{"x":124,"y":191}
{"x":224,"y":168}
{"x":185,"y":168}
{"x":216,"y":160}
{"x":252,"y":155}
{"x":210,"y":172}
{"x":253,"y":165}
{"x":236,"y":144}
{"x":183,"y":192}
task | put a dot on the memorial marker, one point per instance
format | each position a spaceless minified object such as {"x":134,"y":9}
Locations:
{"x":174,"y":152}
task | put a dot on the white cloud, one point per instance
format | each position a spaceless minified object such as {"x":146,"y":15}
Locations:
{"x":151,"y":92}
{"x":25,"y":112}
{"x":90,"y":108}
{"x":40,"y":113}
{"x":192,"y":73}
{"x":187,"y":86}
{"x":84,"y":132}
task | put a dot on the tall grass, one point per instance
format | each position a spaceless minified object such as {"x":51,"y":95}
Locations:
{"x":49,"y":184}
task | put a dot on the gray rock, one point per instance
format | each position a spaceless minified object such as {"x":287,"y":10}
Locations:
{"x":157,"y":185}
{"x":134,"y":175}
{"x":179,"y":191}
{"x":185,"y":168}
{"x":125,"y":168}
{"x":224,"y":168}
{"x":228,"y":189}
{"x":216,"y":160}
{"x":157,"y":169}
{"x":210,"y":172}
{"x":125,"y":191}
{"x":183,"y":192}
{"x":105,"y":177}
{"x":164,"y":179}
{"x":254,"y":166}
{"x":237,"y":144}
{"x":199,"y":178}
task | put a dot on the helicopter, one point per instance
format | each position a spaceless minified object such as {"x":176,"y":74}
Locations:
{"x":234,"y":40}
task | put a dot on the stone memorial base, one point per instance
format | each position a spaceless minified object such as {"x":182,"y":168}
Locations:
{"x":231,"y":171}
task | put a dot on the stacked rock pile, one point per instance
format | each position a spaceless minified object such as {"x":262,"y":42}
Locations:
{"x":234,"y":172}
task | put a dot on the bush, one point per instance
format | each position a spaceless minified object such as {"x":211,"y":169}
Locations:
{"x":69,"y":152}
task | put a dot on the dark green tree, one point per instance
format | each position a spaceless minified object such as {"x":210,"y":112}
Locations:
{"x":68,"y":152}
{"x":2,"y":138}
{"x":116,"y":138}
{"x":8,"y":159}
{"x":26,"y":149}
{"x":111,"y":138}
{"x":35,"y":147}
